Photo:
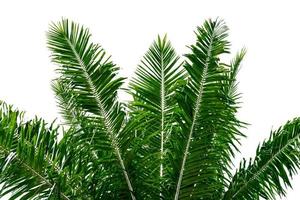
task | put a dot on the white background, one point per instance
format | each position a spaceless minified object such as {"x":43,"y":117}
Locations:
{"x":269,"y":79}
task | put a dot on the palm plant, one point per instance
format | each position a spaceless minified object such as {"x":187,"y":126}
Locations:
{"x":176,"y":139}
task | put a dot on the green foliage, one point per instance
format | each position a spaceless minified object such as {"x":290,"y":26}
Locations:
{"x":209,"y":119}
{"x":89,"y":77}
{"x":175,"y":139}
{"x":268,"y":174}
{"x":154,"y":105}
{"x":32,"y":163}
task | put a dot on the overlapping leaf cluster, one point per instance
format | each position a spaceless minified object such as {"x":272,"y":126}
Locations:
{"x":176,"y":138}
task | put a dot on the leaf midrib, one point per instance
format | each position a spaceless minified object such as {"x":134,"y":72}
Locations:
{"x":162,"y":107}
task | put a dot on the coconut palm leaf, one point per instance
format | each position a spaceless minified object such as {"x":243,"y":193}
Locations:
{"x":268,"y":174}
{"x":31,"y":163}
{"x":210,"y":126}
{"x":92,"y":78}
{"x":153,"y":91}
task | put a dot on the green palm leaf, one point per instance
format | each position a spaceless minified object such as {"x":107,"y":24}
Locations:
{"x":93,"y":81}
{"x":31,"y":162}
{"x":210,"y":126}
{"x":153,"y":92}
{"x":84,"y":143}
{"x":268,"y":174}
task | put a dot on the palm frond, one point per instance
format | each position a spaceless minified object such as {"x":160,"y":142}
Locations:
{"x":93,"y":81}
{"x":231,"y":133}
{"x":83,"y":144}
{"x":153,"y":90}
{"x":269,"y":173}
{"x":208,"y":117}
{"x":31,"y":163}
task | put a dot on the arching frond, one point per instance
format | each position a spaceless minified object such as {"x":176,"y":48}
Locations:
{"x":269,"y":173}
{"x":31,"y":162}
{"x":92,"y":78}
{"x":208,"y":113}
